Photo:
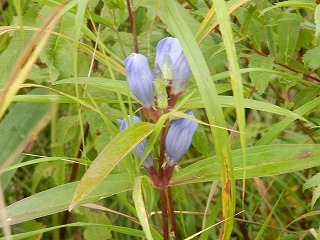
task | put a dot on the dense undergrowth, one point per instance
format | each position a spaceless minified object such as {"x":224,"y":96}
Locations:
{"x":251,"y":171}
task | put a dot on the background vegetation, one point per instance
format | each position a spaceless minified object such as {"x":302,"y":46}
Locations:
{"x":255,"y":71}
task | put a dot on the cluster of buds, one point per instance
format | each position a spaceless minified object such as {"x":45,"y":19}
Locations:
{"x":158,"y":93}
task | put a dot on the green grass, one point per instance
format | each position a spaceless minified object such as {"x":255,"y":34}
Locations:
{"x":251,"y":172}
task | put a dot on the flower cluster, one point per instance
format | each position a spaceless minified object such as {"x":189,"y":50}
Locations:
{"x":158,"y":94}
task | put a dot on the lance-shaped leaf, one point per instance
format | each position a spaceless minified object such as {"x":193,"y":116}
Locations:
{"x":262,"y":161}
{"x":109,"y":157}
{"x":58,"y":199}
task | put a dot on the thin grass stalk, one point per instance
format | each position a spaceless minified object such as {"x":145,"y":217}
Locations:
{"x":72,"y":178}
{"x":133,"y":25}
{"x":214,"y":112}
{"x":171,"y":212}
{"x":27,"y":60}
{"x":237,"y":89}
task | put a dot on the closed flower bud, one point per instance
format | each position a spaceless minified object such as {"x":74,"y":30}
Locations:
{"x":140,"y":78}
{"x":140,"y":148}
{"x":179,"y":137}
{"x":172,"y":63}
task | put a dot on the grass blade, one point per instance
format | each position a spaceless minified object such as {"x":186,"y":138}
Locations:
{"x":214,"y":112}
{"x":109,"y":157}
{"x":140,"y":206}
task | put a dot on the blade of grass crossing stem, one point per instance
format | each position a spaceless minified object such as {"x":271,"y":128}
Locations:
{"x":211,"y":219}
{"x":27,"y":60}
{"x":280,"y":126}
{"x":123,"y":230}
{"x":213,"y":109}
{"x":235,"y":76}
{"x":153,"y":138}
{"x":109,"y":157}
{"x":81,"y":8}
{"x":265,"y":224}
{"x":17,"y":6}
{"x":140,"y":207}
{"x":210,"y":21}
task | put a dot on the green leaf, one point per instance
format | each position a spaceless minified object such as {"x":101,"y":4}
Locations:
{"x":109,"y":157}
{"x":306,"y":95}
{"x":57,"y":54}
{"x":140,"y":207}
{"x":93,"y":216}
{"x":280,"y":126}
{"x":119,"y":229}
{"x":11,"y":54}
{"x":104,"y":83}
{"x":200,"y":141}
{"x":32,"y":226}
{"x":214,"y":111}
{"x":311,"y":58}
{"x":315,"y":196}
{"x":17,"y":131}
{"x":58,"y":199}
{"x":291,"y":3}
{"x":312,"y":182}
{"x":227,"y":101}
{"x":262,"y":161}
{"x":162,"y":14}
{"x":266,"y":222}
{"x":260,"y":79}
{"x":288,"y":31}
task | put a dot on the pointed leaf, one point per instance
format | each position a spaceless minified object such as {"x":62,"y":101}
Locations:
{"x":261,"y":79}
{"x":110,"y":156}
{"x":59,"y":198}
{"x":261,"y":161}
{"x":140,"y":206}
{"x":17,"y":134}
{"x":311,"y":58}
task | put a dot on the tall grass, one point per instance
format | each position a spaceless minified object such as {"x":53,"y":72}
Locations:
{"x":67,"y":171}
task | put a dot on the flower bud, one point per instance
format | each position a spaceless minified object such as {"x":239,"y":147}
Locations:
{"x":179,"y":138}
{"x":140,"y":148}
{"x":172,"y":63}
{"x":140,"y":78}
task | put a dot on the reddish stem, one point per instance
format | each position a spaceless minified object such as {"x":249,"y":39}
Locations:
{"x":66,"y":214}
{"x":171,"y":212}
{"x":162,"y":193}
{"x":164,"y":212}
{"x":133,"y":26}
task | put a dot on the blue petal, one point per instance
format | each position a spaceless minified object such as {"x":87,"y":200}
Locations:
{"x":170,"y":47}
{"x":140,"y":78}
{"x":179,"y":138}
{"x":140,"y":148}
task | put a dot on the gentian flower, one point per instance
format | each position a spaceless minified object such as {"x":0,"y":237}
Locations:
{"x":179,"y":138}
{"x":140,"y":148}
{"x":172,"y":63}
{"x":140,"y":78}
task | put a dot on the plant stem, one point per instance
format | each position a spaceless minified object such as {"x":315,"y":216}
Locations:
{"x":133,"y":25}
{"x":171,"y":212}
{"x":164,"y":212}
{"x":162,"y":193}
{"x":73,"y":175}
{"x":162,"y":154}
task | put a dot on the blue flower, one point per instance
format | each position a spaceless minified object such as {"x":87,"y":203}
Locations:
{"x":172,"y":63}
{"x":140,"y":148}
{"x":179,"y":137}
{"x":140,"y":78}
